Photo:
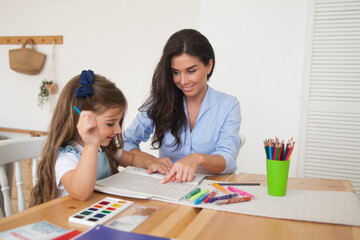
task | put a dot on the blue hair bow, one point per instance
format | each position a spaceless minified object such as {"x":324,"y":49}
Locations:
{"x":86,"y":79}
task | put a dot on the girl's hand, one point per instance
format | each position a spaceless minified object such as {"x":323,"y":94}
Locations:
{"x":166,"y":161}
{"x":155,"y":166}
{"x":184,"y":170}
{"x":88,"y":130}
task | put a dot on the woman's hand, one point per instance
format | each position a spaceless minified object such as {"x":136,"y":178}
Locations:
{"x":184,"y":170}
{"x":87,"y":128}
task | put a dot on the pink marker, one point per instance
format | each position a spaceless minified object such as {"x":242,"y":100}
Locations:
{"x":240,"y":192}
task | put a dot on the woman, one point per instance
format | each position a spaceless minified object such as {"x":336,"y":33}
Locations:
{"x":193,"y":125}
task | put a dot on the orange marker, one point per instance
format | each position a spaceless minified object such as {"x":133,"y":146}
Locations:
{"x":220,"y":188}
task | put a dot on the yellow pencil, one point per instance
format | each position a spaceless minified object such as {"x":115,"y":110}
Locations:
{"x":293,"y":146}
{"x":196,"y":196}
{"x":220,"y":188}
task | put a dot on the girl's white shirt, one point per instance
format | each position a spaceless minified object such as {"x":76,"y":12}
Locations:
{"x":68,"y":158}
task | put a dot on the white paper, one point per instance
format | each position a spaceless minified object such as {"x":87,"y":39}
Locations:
{"x":136,"y":182}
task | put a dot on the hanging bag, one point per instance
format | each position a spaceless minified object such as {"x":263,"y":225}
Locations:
{"x":26,"y":60}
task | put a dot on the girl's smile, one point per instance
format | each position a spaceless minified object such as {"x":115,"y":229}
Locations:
{"x":109,"y":124}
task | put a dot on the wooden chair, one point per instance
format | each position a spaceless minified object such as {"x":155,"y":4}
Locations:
{"x":242,"y":142}
{"x":242,"y":139}
{"x":12,"y":151}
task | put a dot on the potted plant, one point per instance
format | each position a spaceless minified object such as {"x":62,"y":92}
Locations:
{"x":46,"y":88}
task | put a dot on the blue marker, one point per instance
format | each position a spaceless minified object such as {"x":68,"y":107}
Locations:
{"x":200,"y":199}
{"x":77,"y":110}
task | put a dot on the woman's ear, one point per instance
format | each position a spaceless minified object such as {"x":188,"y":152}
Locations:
{"x":210,"y":66}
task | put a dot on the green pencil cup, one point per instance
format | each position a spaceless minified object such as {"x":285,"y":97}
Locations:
{"x":277,"y":176}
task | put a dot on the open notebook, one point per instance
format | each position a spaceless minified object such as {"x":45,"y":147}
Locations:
{"x":137,"y":183}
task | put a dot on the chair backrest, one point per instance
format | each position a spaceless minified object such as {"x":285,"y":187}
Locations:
{"x":12,"y":151}
{"x":242,"y":140}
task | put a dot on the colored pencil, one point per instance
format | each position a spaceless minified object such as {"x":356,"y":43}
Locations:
{"x":239,"y":184}
{"x":77,"y":110}
{"x":220,"y":188}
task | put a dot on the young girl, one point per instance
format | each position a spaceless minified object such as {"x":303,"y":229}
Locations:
{"x":85,"y":146}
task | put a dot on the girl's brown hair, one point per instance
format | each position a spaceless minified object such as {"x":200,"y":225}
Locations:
{"x":63,"y":131}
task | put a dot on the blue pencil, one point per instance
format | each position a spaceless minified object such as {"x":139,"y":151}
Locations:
{"x":77,"y":110}
{"x":270,"y":153}
{"x":200,"y":199}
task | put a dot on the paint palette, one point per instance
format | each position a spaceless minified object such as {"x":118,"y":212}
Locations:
{"x":100,"y":212}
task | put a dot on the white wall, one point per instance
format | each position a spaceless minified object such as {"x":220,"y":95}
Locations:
{"x":121,"y":40}
{"x":259,"y":48}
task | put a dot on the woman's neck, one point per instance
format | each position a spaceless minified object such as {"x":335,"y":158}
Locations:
{"x":193,"y":105}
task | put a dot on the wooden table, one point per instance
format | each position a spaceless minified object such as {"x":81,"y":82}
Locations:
{"x":169,"y":220}
{"x":183,"y":222}
{"x":211,"y":224}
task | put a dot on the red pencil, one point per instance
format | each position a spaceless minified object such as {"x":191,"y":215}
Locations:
{"x":275,"y":152}
{"x":280,"y":151}
{"x":211,"y":195}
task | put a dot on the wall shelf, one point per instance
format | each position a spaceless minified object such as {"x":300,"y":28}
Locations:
{"x":36,"y":39}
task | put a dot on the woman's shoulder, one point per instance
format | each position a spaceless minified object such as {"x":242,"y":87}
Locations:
{"x":222,"y":97}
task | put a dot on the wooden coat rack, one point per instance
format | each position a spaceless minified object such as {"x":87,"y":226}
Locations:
{"x":36,"y":39}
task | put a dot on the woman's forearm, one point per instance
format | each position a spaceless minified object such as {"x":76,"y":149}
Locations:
{"x":212,"y":163}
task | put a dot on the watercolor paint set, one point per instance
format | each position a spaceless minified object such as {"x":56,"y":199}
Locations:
{"x":100,"y":212}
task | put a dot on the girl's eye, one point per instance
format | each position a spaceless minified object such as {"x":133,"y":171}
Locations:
{"x":110,"y":124}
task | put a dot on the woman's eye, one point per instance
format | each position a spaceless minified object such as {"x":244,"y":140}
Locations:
{"x":175,"y":72}
{"x":191,"y":71}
